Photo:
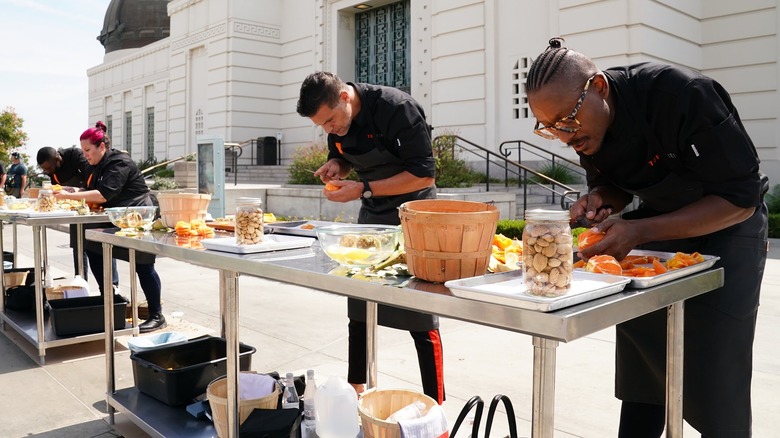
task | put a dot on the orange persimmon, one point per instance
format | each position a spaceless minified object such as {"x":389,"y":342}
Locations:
{"x":501,"y":241}
{"x":604,"y":264}
{"x":683,"y":260}
{"x":659,"y":267}
{"x":329,"y":186}
{"x":589,"y":237}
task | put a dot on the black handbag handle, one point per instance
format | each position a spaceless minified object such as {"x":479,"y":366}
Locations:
{"x":510,"y":415}
{"x":477,"y":402}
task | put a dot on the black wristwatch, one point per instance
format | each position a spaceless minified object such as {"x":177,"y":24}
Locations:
{"x":366,"y":191}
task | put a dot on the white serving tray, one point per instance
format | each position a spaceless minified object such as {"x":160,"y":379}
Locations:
{"x":271,"y":242}
{"x":672,"y":274}
{"x":294,"y":227}
{"x":507,"y":288}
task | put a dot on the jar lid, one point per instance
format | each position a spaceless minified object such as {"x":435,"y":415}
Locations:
{"x":547,"y":215}
{"x":45,"y":192}
{"x":248,"y":201}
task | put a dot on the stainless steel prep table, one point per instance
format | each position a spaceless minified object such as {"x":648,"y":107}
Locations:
{"x":310,"y":268}
{"x":33,"y":327}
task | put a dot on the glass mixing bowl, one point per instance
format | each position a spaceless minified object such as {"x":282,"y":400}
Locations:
{"x":358,"y":245}
{"x":132,"y":218}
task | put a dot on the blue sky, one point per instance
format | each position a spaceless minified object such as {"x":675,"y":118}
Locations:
{"x":48,"y":46}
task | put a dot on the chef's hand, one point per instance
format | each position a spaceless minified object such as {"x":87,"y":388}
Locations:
{"x":589,"y":209}
{"x":328,"y":171}
{"x":347,"y":190}
{"x":620,"y":238}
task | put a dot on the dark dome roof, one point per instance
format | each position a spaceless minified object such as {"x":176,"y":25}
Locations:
{"x":134,"y":23}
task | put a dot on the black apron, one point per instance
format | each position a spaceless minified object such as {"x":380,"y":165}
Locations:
{"x":374,"y":165}
{"x":719,"y":325}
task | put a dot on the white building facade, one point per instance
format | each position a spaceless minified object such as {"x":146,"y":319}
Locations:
{"x":233,"y":68}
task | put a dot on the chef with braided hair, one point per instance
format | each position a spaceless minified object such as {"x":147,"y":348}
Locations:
{"x":673,"y":138}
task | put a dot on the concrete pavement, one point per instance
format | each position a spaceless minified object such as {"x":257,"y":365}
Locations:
{"x":307,"y":329}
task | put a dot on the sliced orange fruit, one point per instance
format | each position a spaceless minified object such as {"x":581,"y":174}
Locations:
{"x":604,"y":264}
{"x":683,"y":260}
{"x":589,"y":237}
{"x":501,"y":241}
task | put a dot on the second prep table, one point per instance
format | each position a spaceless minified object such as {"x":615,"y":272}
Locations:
{"x":310,"y":267}
{"x":33,"y":328}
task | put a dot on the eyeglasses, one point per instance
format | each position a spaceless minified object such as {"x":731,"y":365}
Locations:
{"x":568,"y":124}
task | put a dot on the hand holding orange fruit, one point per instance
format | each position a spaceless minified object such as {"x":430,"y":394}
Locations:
{"x":330,"y":187}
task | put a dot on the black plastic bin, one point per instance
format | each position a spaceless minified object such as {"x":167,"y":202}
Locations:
{"x":177,"y":374}
{"x":84,"y":315}
{"x":20,"y":297}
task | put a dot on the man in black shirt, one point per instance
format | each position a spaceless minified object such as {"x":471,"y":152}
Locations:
{"x":66,"y":166}
{"x":671,"y":137}
{"x":381,"y":132}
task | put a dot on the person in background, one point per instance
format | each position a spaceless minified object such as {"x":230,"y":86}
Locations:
{"x":17,"y":176}
{"x":113,"y":180}
{"x":382,"y":134}
{"x":68,"y":168}
{"x":3,"y":175}
{"x":673,"y":138}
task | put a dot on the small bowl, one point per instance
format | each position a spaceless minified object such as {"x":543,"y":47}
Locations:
{"x":358,"y":245}
{"x":132,"y":218}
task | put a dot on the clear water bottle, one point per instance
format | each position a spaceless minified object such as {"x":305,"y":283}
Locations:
{"x":309,"y":428}
{"x":337,"y":414}
{"x":290,"y":398}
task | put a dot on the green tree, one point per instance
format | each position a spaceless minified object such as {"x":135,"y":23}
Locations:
{"x":11,"y":134}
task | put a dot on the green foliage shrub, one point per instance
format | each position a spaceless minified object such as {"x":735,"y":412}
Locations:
{"x":513,"y":228}
{"x":558,"y":172}
{"x":774,"y":225}
{"x":772,"y":199}
{"x":450,"y":170}
{"x":163,"y":183}
{"x":306,"y":160}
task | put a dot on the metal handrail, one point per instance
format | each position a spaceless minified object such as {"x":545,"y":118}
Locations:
{"x":233,"y":147}
{"x":521,"y":145}
{"x":165,"y":163}
{"x":568,"y":194}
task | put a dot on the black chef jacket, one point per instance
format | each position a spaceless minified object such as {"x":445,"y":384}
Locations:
{"x":674,"y":125}
{"x":73,"y":168}
{"x":388,"y":136}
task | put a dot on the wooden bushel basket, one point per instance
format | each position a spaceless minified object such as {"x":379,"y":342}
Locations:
{"x":376,"y":405}
{"x":217,"y":396}
{"x":175,"y":207}
{"x":447,"y":240}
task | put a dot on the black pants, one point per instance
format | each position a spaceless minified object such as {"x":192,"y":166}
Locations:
{"x":429,"y":357}
{"x":85,"y":274}
{"x":147,"y":277}
{"x":719,"y":332}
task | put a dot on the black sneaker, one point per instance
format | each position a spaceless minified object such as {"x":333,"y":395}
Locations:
{"x":155,"y":322}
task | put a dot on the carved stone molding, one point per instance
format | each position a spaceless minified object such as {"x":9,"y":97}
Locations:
{"x":198,"y":37}
{"x":256,"y":30}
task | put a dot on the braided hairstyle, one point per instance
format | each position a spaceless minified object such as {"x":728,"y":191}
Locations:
{"x":97,"y":135}
{"x":558,"y":62}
